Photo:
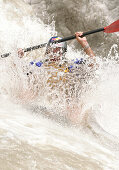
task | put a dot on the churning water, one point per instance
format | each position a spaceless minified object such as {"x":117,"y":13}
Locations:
{"x":37,"y":128}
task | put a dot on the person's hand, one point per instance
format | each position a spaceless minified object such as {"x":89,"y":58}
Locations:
{"x":83,"y":40}
{"x":20,"y":53}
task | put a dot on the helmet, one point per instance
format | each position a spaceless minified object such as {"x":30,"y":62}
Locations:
{"x":63,"y":45}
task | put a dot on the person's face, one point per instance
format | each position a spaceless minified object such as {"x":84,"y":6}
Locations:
{"x":54,"y":53}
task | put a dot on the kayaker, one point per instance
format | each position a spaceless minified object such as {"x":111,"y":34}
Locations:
{"x":64,"y":79}
{"x":57,"y":65}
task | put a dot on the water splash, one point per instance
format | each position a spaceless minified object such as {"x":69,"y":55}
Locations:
{"x":91,"y":142}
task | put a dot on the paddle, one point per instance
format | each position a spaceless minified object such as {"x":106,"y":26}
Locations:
{"x":114,"y":27}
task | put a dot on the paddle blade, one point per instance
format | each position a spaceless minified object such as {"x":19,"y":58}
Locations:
{"x":114,"y":27}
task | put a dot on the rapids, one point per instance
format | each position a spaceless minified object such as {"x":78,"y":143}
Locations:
{"x":37,"y":130}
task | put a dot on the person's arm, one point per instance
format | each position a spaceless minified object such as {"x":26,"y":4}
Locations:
{"x":84,"y":44}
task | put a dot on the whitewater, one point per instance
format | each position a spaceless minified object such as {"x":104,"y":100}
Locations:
{"x":37,"y":131}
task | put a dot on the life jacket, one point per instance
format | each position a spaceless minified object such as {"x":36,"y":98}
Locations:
{"x":60,"y":73}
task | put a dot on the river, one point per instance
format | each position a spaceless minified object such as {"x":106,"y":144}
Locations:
{"x":35,"y":133}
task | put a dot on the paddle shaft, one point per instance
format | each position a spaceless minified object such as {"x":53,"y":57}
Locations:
{"x":26,"y":49}
{"x":61,"y":40}
{"x":84,"y":34}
